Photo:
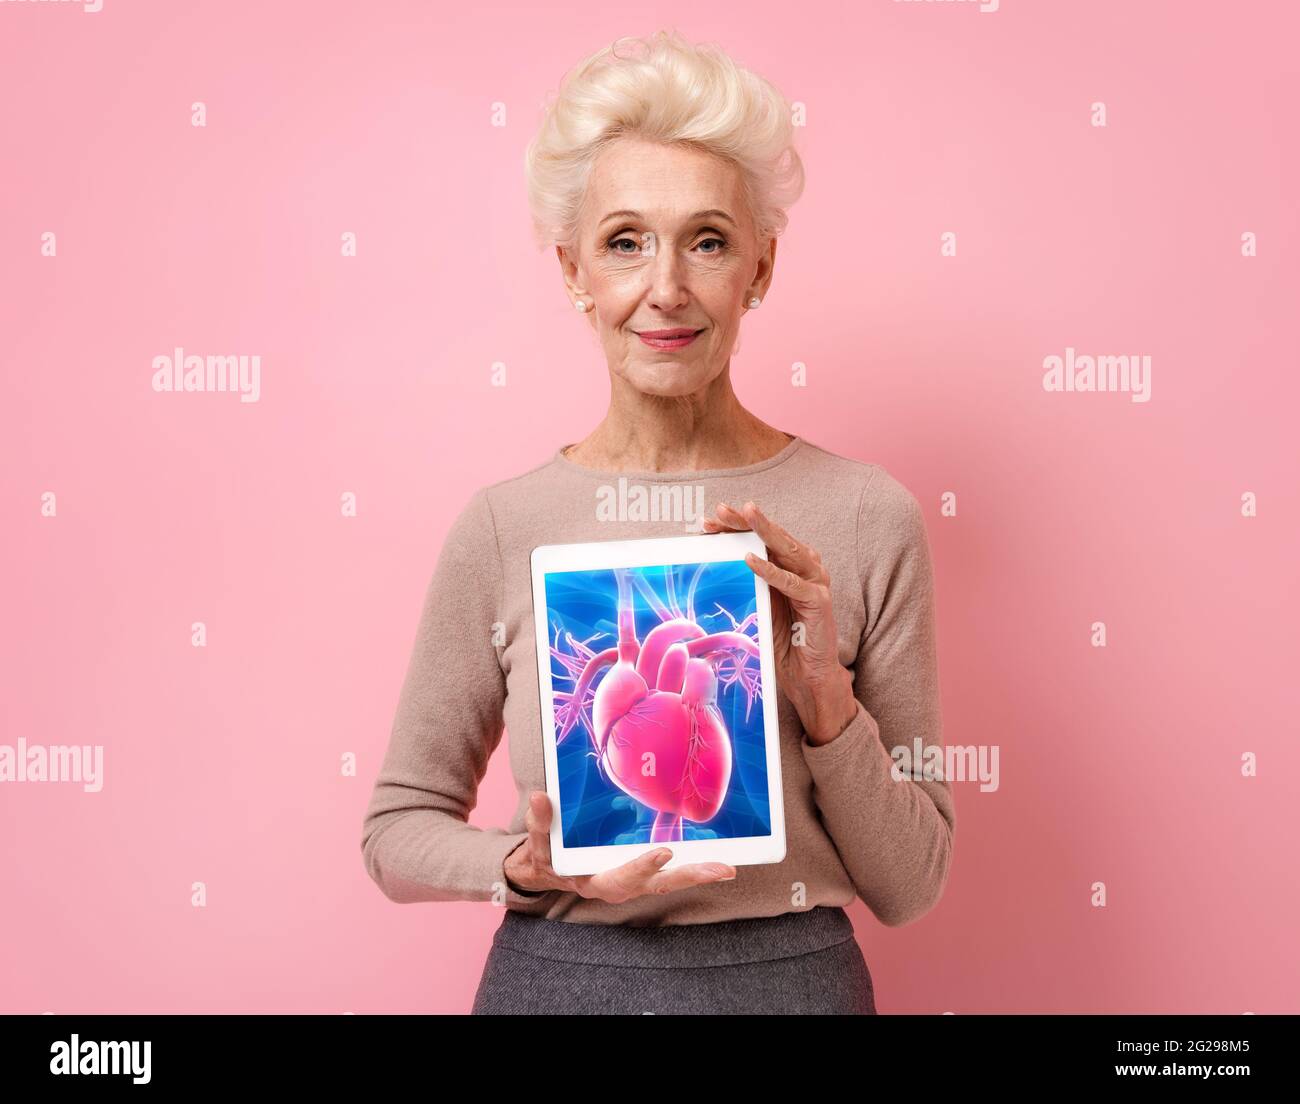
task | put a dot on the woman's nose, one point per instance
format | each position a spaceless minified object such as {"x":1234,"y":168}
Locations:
{"x":667,"y":286}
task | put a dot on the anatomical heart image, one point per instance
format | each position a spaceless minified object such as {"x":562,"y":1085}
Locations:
{"x":658,"y":704}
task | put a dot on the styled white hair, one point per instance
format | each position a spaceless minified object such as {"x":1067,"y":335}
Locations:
{"x":662,"y":89}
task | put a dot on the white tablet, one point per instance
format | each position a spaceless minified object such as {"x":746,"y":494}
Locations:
{"x":658,"y":697}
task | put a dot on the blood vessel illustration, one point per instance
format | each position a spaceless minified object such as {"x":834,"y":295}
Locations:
{"x":651,"y":707}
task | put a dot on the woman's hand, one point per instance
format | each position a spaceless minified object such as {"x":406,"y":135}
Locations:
{"x":528,"y":866}
{"x":808,"y":666}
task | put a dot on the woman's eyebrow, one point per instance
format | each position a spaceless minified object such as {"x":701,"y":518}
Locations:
{"x":713,"y":212}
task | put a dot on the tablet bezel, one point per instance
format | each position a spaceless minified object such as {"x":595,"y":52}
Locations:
{"x":654,"y":552}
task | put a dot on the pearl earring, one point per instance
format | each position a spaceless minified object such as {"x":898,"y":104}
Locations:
{"x":580,"y":305}
{"x":754,"y":302}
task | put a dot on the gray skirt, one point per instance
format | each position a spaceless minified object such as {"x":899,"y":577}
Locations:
{"x":799,"y":963}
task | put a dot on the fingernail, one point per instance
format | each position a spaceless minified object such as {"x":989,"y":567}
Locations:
{"x":721,"y":873}
{"x":662,"y":856}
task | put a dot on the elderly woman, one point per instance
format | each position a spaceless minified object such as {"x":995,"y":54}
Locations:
{"x":661,"y":174}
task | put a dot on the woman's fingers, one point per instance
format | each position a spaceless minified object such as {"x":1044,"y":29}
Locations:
{"x":732,"y":518}
{"x":784,"y":549}
{"x":537,"y":822}
{"x":630,"y":879}
{"x":728,"y":520}
{"x":787,"y":551}
{"x":644,"y":875}
{"x":795,"y":587}
{"x":717,"y":526}
{"x":692,"y":874}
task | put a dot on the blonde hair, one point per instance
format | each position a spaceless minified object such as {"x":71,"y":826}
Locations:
{"x":663,"y":89}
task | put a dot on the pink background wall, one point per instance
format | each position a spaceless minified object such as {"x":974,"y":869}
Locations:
{"x":222,"y":764}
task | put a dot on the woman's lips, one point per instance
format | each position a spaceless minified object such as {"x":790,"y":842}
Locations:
{"x":669,"y":339}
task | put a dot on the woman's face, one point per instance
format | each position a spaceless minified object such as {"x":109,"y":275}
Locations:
{"x":686,"y":258}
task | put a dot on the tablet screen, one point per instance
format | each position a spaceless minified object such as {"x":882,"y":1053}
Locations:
{"x":658,"y":699}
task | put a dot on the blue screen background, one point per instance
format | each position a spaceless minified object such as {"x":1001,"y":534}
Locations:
{"x":594,"y":811}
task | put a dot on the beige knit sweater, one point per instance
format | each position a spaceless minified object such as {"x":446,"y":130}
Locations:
{"x":851,"y":827}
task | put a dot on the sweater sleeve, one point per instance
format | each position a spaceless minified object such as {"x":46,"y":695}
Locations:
{"x":416,"y":842}
{"x":893,"y":836}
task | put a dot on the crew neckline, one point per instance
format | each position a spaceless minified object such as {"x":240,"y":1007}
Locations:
{"x":792,"y":446}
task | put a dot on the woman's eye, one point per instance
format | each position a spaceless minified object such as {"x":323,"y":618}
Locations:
{"x":616,"y":245}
